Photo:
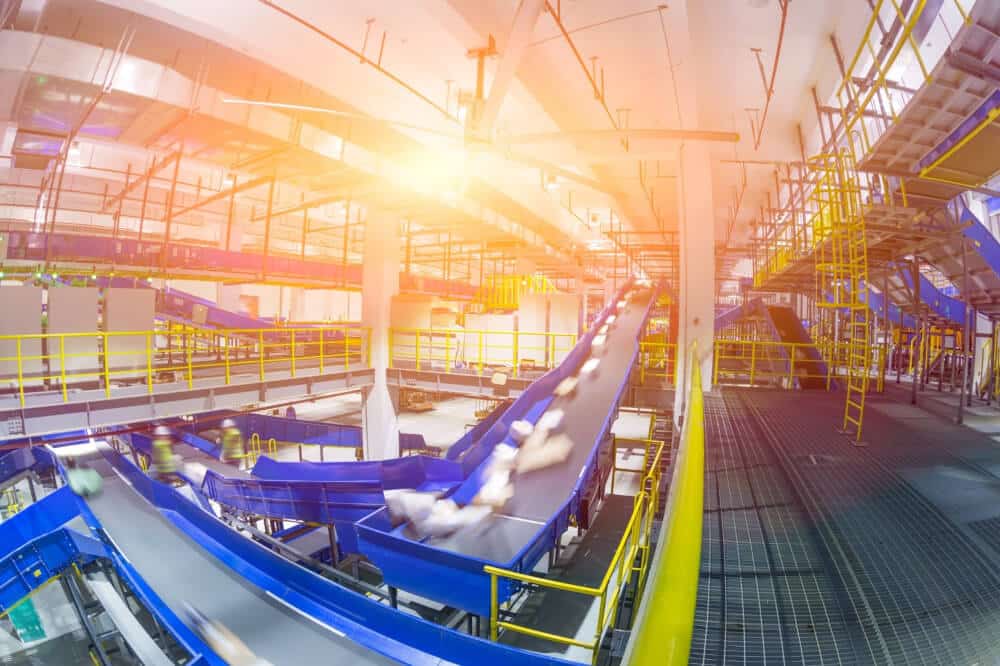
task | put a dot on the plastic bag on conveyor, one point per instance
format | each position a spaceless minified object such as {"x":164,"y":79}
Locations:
{"x":446,"y":518}
{"x":222,"y":641}
{"x":553,"y":450}
{"x":409,"y":505}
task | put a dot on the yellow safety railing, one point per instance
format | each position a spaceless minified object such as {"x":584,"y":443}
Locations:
{"x":658,"y":360}
{"x":754,"y":362}
{"x":256,"y":448}
{"x":628,"y":565}
{"x":477,"y":349}
{"x":13,"y":502}
{"x":504,"y":292}
{"x":665,"y":619}
{"x":649,"y":446}
{"x":108,"y":357}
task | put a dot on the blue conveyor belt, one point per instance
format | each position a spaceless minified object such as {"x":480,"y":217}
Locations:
{"x":449,"y":569}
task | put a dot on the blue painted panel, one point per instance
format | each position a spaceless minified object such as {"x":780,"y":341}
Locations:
{"x":984,"y":242}
{"x":42,"y":517}
{"x":944,"y":306}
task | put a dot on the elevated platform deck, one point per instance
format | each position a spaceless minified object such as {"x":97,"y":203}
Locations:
{"x":908,"y":525}
{"x":944,"y":139}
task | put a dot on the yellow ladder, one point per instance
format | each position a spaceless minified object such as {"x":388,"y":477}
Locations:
{"x":842,"y":272}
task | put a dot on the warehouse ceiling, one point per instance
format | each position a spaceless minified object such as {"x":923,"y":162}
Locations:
{"x":156,"y":78}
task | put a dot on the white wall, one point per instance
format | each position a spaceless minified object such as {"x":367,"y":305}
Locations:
{"x":128,"y":310}
{"x":27,"y":303}
{"x":73,"y":310}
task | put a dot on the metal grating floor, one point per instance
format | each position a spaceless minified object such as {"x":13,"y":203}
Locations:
{"x":767,"y":595}
{"x":902,"y":521}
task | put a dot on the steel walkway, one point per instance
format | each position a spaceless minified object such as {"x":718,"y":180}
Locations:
{"x":908,"y":525}
{"x":767,"y":594}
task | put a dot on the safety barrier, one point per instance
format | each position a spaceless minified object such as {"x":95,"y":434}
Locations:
{"x":628,"y":566}
{"x":107,"y":357}
{"x":649,"y":447}
{"x":662,"y":633}
{"x":477,"y":349}
{"x":752,"y":362}
{"x":504,"y":292}
{"x":658,"y":360}
{"x":255,"y":448}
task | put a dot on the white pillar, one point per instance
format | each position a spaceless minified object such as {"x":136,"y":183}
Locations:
{"x":228,"y":296}
{"x":696,"y":213}
{"x":696,"y":297}
{"x":297,"y":305}
{"x":379,"y":283}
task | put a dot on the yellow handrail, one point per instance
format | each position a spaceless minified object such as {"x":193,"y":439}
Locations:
{"x":477,"y":348}
{"x":662,"y":634}
{"x":631,"y":559}
{"x":60,"y":359}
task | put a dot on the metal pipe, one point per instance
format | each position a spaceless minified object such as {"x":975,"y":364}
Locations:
{"x":965,"y":342}
{"x":363,"y":59}
{"x":267,"y":226}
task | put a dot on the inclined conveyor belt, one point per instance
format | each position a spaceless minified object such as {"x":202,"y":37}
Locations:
{"x":540,"y":510}
{"x":180,"y":572}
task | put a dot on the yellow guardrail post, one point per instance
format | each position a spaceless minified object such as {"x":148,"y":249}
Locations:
{"x":753,"y":360}
{"x":225,"y":356}
{"x":347,"y":349}
{"x":260,"y":353}
{"x":494,"y":609}
{"x":294,"y":352}
{"x":416,"y":350}
{"x":715,"y":365}
{"x":20,"y":371}
{"x":791,"y":365}
{"x":149,"y":362}
{"x":107,"y":375}
{"x":188,"y":352}
{"x":62,"y":367}
{"x":517,"y":354}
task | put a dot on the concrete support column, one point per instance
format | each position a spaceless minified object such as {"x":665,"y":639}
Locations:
{"x":296,"y":299}
{"x":379,"y":283}
{"x":696,"y":211}
{"x":696,"y":297}
{"x":228,"y":296}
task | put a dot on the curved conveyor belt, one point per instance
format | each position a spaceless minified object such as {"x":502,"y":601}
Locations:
{"x":540,"y":495}
{"x":180,"y":572}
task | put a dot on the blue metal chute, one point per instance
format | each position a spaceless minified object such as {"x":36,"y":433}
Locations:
{"x":941,"y":305}
{"x":752,"y":307}
{"x":35,"y":545}
{"x":422,"y":473}
{"x":983,"y":241}
{"x":338,"y":503}
{"x":377,"y":626}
